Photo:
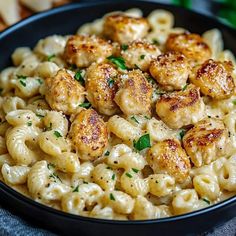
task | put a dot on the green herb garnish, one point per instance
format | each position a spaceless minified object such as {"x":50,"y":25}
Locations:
{"x":206,"y":200}
{"x":22,"y":83}
{"x":124,"y":47}
{"x":234,"y":102}
{"x":40,"y":116}
{"x":55,"y":177}
{"x":155,"y":41}
{"x":111,"y":83}
{"x":151,"y":80}
{"x":142,"y":57}
{"x":40,"y":81}
{"x":128,"y":175}
{"x":78,"y":76}
{"x":142,"y":143}
{"x":135,"y":170}
{"x":185,"y":86}
{"x":76,"y":189}
{"x":134,"y":119}
{"x":85,"y":105}
{"x":21,"y":77}
{"x":50,"y":165}
{"x":107,"y":153}
{"x":148,"y":118}
{"x":113,"y":177}
{"x":85,"y":182}
{"x":29,"y":123}
{"x":118,"y":61}
{"x":57,"y":134}
{"x":50,"y":57}
{"x":182,"y":133}
{"x":112,"y":197}
{"x":108,"y":168}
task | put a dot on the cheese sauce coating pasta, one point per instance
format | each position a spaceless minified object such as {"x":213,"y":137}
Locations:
{"x":129,"y":119}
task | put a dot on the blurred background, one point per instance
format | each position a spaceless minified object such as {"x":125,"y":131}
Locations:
{"x":12,"y":11}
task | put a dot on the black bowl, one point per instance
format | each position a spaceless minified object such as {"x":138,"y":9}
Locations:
{"x":66,"y":20}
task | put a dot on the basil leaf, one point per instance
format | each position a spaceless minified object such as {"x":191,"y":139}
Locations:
{"x":124,"y":47}
{"x":112,"y":197}
{"x":50,"y":57}
{"x":85,"y":105}
{"x":57,"y":134}
{"x":118,"y":61}
{"x":79,"y":77}
{"x":142,"y":143}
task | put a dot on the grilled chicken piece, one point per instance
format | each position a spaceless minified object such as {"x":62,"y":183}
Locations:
{"x":191,"y":45}
{"x":63,"y":92}
{"x":124,"y":29}
{"x":214,"y":78}
{"x":181,"y":108}
{"x":168,"y":157}
{"x":88,"y":134}
{"x":83,"y":50}
{"x":171,"y":70}
{"x":206,"y":141}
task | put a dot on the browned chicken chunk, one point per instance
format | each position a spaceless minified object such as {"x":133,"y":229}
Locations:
{"x":214,"y":78}
{"x":206,"y":141}
{"x":191,"y":45}
{"x":63,"y":92}
{"x":88,"y":134}
{"x":181,"y":108}
{"x":171,"y":70}
{"x":124,"y":29}
{"x":83,"y":50}
{"x":169,"y":157}
{"x":101,"y":86}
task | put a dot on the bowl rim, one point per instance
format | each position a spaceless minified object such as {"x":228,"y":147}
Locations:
{"x":5,"y":189}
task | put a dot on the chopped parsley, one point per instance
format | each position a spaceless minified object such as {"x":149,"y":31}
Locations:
{"x":124,"y":47}
{"x":22,"y":79}
{"x":22,"y":83}
{"x":85,"y":182}
{"x":234,"y":102}
{"x":50,"y":57}
{"x":142,"y":143}
{"x":128,"y":175}
{"x":111,"y":83}
{"x":57,"y":134}
{"x":40,"y":81}
{"x":113,"y":177}
{"x":50,"y":165}
{"x":39,"y":115}
{"x":55,"y":177}
{"x":206,"y":200}
{"x":142,"y":57}
{"x":135,"y":170}
{"x":134,"y":119}
{"x":136,"y":66}
{"x":108,"y":168}
{"x":85,"y":105}
{"x":118,"y":61}
{"x":29,"y":123}
{"x":76,"y":189}
{"x":182,"y":133}
{"x":146,"y":117}
{"x":155,"y":41}
{"x":107,"y":153}
{"x":78,"y":76}
{"x":185,"y":86}
{"x":151,"y":80}
{"x":112,"y":197}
